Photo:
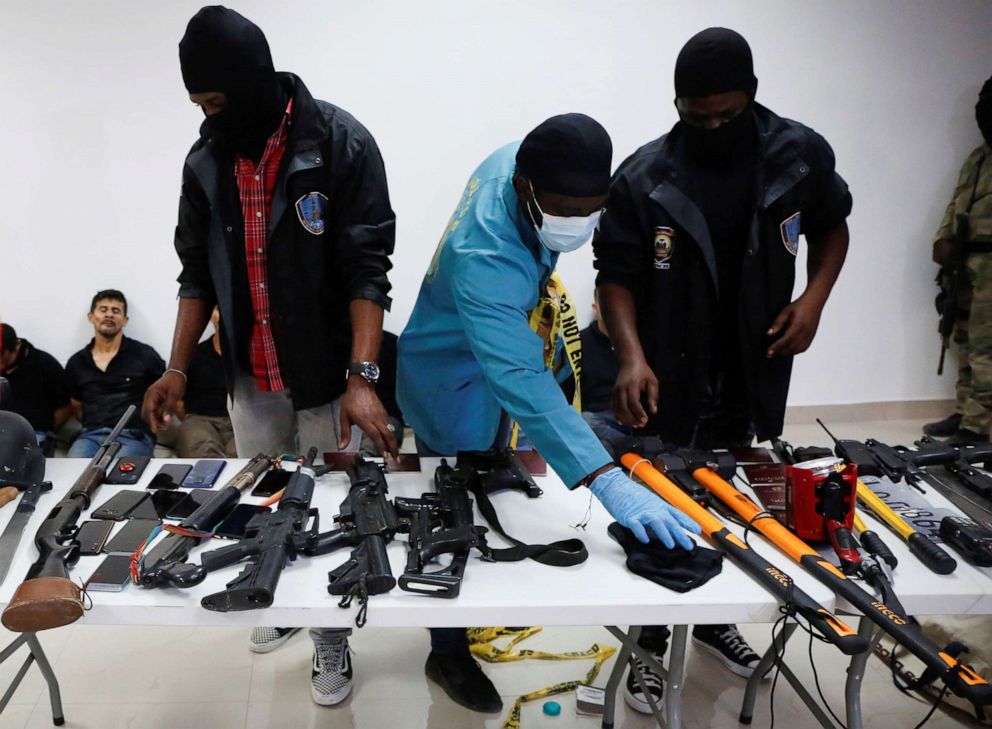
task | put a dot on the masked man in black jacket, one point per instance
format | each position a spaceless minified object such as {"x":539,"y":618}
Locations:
{"x":696,"y":258}
{"x":284,"y":224}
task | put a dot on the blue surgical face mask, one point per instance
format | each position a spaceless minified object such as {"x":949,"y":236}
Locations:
{"x":561,"y":234}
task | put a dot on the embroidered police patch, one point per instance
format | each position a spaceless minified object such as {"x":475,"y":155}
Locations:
{"x":790,"y":233}
{"x":310,"y":211}
{"x":663,"y":246}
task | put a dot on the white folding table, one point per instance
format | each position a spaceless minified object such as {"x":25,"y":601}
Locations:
{"x":599,"y":592}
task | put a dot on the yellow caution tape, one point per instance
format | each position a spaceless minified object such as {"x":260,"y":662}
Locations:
{"x":554,"y":317}
{"x":481,"y":644}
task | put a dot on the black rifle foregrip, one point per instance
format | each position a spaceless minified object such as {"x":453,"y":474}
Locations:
{"x":931,"y":554}
{"x":874,"y":544}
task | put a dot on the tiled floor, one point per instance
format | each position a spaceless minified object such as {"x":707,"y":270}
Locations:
{"x":149,"y":677}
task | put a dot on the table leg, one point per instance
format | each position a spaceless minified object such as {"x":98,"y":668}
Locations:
{"x":671,"y":676}
{"x":37,"y":653}
{"x":767,"y":660}
{"x":856,"y":674}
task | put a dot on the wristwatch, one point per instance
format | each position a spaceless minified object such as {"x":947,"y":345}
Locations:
{"x":368,"y":370}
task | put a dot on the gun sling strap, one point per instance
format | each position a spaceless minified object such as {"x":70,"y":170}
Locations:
{"x":563,"y":553}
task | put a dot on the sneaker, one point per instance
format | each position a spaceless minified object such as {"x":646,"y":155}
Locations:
{"x":330,"y":680}
{"x":462,"y":679}
{"x":963,"y":436}
{"x":633,"y":694}
{"x":263,"y":640}
{"x":724,"y":642}
{"x":943,"y":428}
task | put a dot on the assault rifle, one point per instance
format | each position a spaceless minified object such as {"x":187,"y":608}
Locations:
{"x":367,"y":522}
{"x":271,"y":540}
{"x":48,"y":598}
{"x":442,"y":523}
{"x":165,"y":563}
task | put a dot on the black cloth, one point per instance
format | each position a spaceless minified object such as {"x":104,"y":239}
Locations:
{"x":38,"y":387}
{"x":317,"y":264}
{"x":106,"y":395}
{"x":675,"y":568}
{"x":983,"y":111}
{"x":385,"y":389}
{"x":714,"y":61}
{"x":224,"y":51}
{"x":655,"y":241}
{"x":569,"y":154}
{"x":206,"y":391}
{"x":599,"y":369}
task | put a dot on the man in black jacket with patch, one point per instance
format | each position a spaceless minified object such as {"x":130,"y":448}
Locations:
{"x":696,"y":258}
{"x":284,"y":224}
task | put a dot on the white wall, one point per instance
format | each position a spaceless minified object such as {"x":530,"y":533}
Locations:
{"x":96,"y":122}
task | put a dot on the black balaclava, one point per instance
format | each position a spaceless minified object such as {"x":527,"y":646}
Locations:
{"x":714,"y":61}
{"x":224,"y":51}
{"x":983,"y":111}
{"x":568,"y":154}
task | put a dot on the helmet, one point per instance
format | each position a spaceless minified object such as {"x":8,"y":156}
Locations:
{"x":21,"y":459}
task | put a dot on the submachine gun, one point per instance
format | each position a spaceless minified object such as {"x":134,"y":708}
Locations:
{"x":165,"y":564}
{"x":442,"y":523}
{"x":48,"y":598}
{"x":271,"y":540}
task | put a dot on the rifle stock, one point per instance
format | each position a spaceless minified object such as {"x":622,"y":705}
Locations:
{"x":48,"y":598}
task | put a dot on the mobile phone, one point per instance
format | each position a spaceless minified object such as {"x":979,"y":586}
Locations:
{"x":131,"y":536}
{"x":92,"y":535}
{"x":145,"y":509}
{"x":111,"y":576}
{"x":233,"y":527}
{"x":271,"y":482}
{"x":204,"y":474}
{"x":169,"y":476}
{"x":193,"y":501}
{"x":118,"y":506}
{"x":128,"y":469}
{"x":164,"y":501}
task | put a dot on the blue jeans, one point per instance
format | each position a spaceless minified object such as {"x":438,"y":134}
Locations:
{"x":134,"y":442}
{"x":606,"y":426}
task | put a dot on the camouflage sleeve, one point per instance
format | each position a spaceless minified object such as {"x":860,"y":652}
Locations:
{"x":946,"y":229}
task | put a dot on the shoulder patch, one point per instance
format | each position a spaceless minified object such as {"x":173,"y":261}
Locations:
{"x":310,"y":211}
{"x":790,"y":228}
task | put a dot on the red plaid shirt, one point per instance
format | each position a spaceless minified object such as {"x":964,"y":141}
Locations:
{"x":255,"y":187}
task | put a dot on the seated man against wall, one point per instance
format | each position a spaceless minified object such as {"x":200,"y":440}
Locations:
{"x":206,"y":431}
{"x":106,"y":376}
{"x":598,"y":375}
{"x":39,"y":390}
{"x":469,"y":355}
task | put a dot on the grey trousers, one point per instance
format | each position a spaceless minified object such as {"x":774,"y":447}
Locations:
{"x":265,"y":422}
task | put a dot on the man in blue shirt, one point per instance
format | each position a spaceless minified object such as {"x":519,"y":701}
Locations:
{"x":468,"y":354}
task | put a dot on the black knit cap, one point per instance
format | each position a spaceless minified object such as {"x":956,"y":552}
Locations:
{"x":714,"y":61}
{"x":222,"y":50}
{"x":569,"y":154}
{"x":986,"y":88}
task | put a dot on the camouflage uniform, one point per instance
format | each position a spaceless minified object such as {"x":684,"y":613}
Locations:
{"x":973,"y":331}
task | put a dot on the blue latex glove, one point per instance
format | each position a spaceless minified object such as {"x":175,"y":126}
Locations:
{"x":637,"y":508}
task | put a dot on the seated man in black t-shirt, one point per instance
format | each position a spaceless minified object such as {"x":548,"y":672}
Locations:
{"x":106,"y":376}
{"x":206,"y":431}
{"x":39,"y":390}
{"x":599,"y":374}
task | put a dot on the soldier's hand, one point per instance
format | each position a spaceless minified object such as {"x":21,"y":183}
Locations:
{"x":361,"y":407}
{"x":635,"y":379}
{"x":943,"y":251}
{"x":795,"y":327}
{"x":162,"y":400}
